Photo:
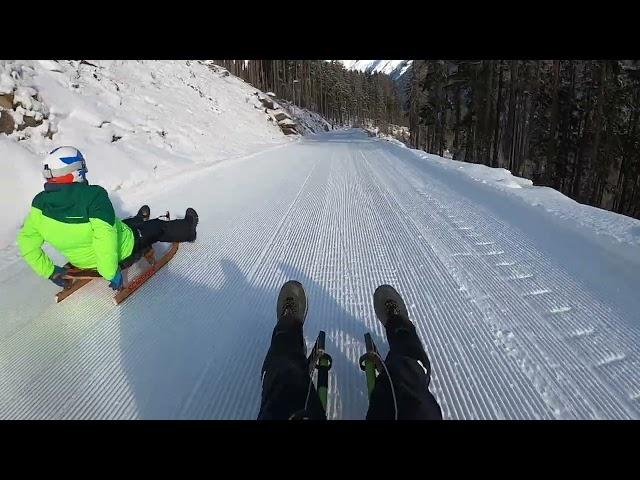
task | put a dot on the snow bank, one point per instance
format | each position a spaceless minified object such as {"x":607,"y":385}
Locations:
{"x":485,"y":174}
{"x":605,"y":224}
{"x":137,"y":123}
{"x":18,"y":186}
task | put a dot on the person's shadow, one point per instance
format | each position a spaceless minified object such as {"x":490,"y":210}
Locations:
{"x":196,"y":352}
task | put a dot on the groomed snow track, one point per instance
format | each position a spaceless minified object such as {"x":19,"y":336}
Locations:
{"x":523,"y":317}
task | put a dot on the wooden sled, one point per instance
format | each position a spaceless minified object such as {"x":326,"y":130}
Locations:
{"x":76,"y":278}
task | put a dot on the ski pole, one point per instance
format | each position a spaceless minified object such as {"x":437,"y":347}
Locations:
{"x":323,"y":365}
{"x":321,"y":360}
{"x":368,"y":362}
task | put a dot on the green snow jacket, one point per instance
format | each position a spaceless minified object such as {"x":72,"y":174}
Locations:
{"x":79,"y":221}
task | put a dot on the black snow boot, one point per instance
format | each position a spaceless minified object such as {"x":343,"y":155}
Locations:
{"x":192,"y":216}
{"x":144,"y":213}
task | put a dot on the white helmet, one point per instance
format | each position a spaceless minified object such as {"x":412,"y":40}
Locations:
{"x":64,"y":161}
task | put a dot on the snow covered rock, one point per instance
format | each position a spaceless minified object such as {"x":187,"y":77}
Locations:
{"x":306,"y":121}
{"x":280,"y":115}
{"x":27,"y":98}
{"x":30,"y":121}
{"x":6,"y":101}
{"x":287,"y":123}
{"x":22,"y":108}
{"x":7,"y":123}
{"x":266,"y":101}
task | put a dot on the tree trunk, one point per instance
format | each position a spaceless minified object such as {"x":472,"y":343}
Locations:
{"x":494,"y":159}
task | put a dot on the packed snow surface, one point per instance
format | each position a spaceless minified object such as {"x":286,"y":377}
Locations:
{"x":526,"y":301}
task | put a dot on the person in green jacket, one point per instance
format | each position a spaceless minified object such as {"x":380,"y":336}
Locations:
{"x":79,"y":221}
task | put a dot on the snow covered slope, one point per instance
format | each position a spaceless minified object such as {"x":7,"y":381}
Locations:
{"x":394,"y":68}
{"x":526,"y":301}
{"x":137,"y":123}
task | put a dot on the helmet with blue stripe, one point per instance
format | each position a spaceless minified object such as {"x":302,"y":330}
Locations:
{"x":64,"y":161}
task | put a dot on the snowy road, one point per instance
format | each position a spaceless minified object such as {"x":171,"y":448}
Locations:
{"x":523,"y":317}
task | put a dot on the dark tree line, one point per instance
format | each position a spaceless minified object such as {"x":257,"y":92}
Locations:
{"x":570,"y":125}
{"x":341,"y":96}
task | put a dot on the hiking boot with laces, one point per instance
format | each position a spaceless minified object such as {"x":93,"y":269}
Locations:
{"x":292,"y":303}
{"x":401,"y":332}
{"x":388,"y":305}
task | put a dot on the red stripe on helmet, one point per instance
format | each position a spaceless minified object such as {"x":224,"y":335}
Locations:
{"x":68,"y":178}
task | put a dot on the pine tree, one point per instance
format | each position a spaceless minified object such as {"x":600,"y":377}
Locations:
{"x":571,"y":125}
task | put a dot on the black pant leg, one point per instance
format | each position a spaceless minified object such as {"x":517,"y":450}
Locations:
{"x":286,"y":384}
{"x":166,"y":231}
{"x":156,"y":230}
{"x":146,"y":233}
{"x":411,"y":388}
{"x":132,"y":222}
{"x":149,"y":233}
{"x":136,"y":252}
{"x":410,"y":371}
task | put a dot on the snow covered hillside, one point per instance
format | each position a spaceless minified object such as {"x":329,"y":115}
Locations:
{"x":394,"y":68}
{"x":137,"y":123}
